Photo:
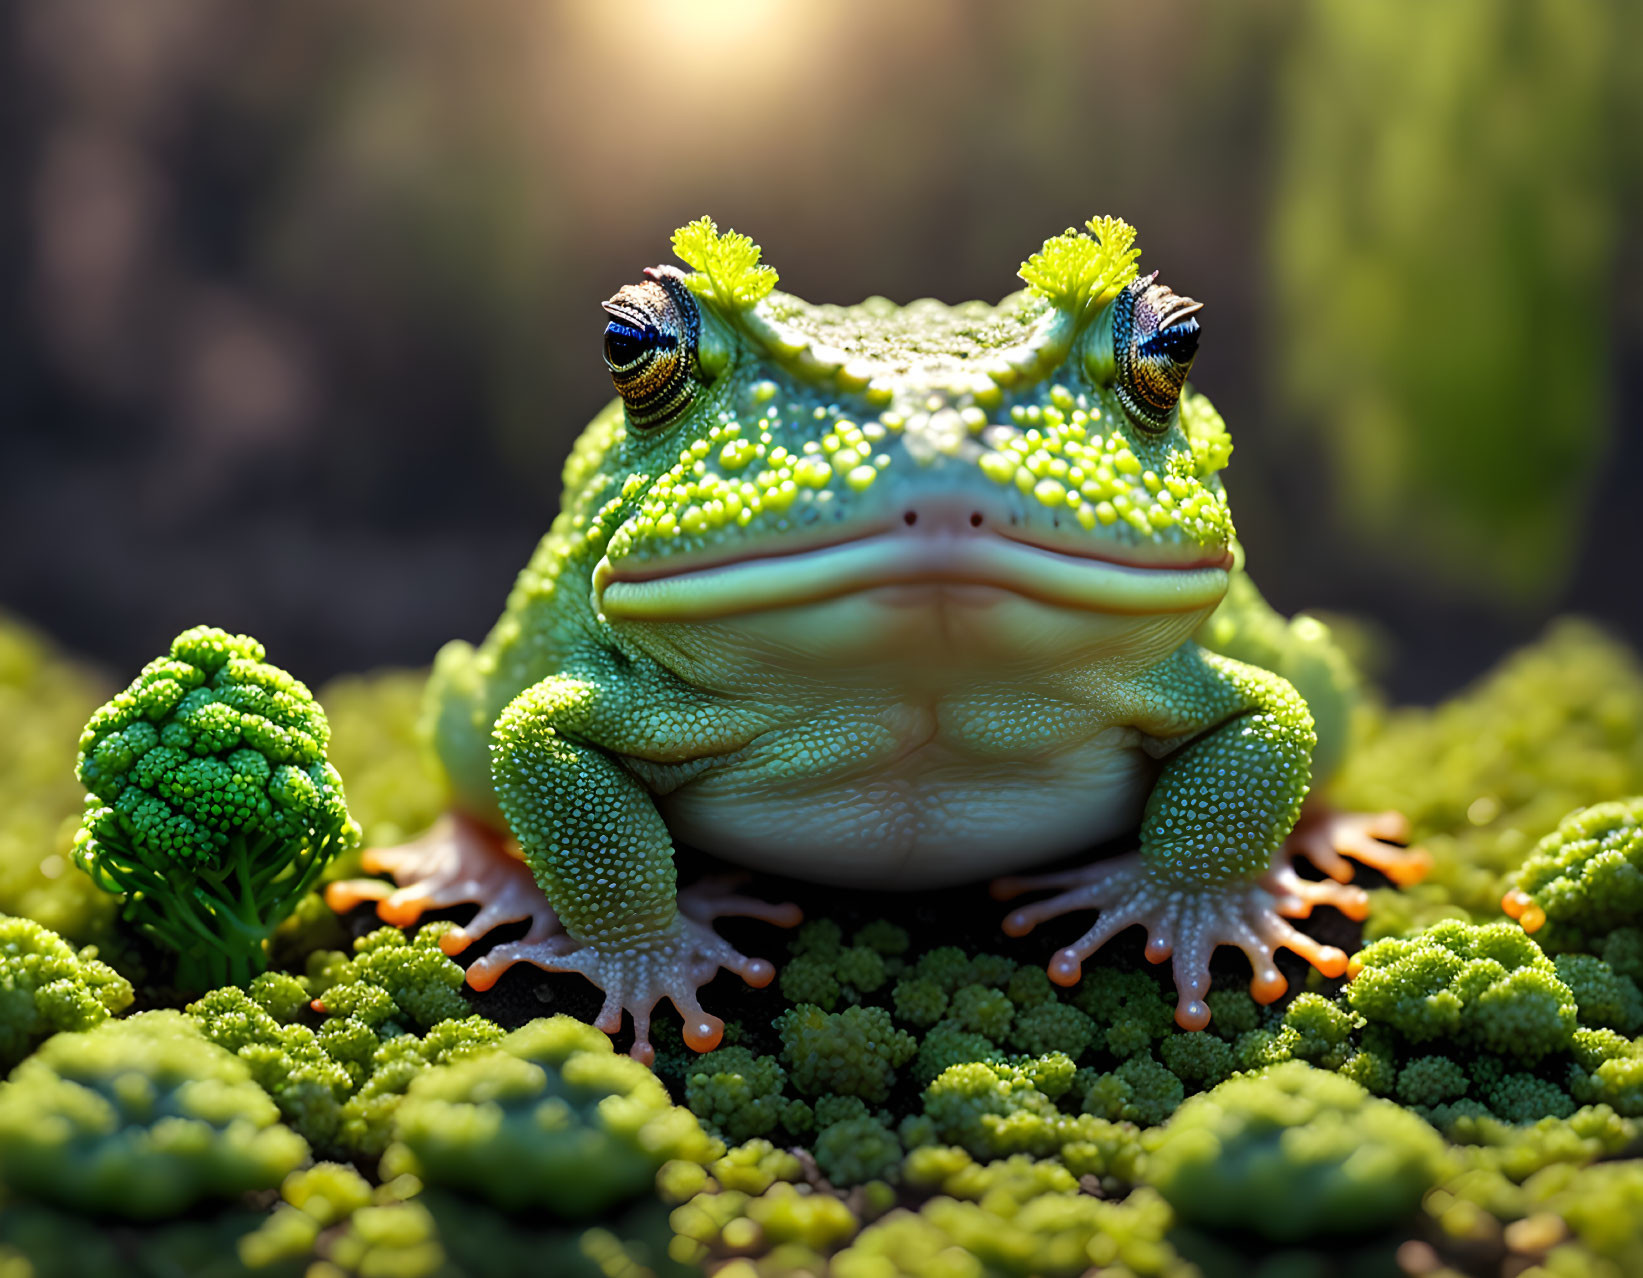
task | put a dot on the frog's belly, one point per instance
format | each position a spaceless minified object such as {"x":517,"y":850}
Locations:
{"x":930,"y":818}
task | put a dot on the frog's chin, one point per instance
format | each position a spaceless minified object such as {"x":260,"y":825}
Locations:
{"x":880,"y":560}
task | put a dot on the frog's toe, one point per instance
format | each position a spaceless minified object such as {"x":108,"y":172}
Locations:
{"x":713,"y":899}
{"x":1328,"y":838}
{"x":638,"y":974}
{"x":459,"y":861}
{"x":1185,"y":925}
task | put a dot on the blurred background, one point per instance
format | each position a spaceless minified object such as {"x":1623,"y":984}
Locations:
{"x":299,"y":303}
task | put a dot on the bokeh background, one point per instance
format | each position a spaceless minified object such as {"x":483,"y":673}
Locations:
{"x":299,"y":303}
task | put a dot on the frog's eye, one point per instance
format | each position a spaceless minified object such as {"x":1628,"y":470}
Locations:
{"x":1154,"y":339}
{"x":650,"y":347}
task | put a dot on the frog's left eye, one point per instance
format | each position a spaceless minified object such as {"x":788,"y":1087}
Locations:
{"x":650,"y":347}
{"x":1154,"y":339}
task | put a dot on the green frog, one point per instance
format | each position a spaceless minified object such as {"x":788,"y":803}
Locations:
{"x":893,"y":597}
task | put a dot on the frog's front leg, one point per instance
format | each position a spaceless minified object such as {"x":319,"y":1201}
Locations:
{"x":591,"y":835}
{"x":1209,"y":871}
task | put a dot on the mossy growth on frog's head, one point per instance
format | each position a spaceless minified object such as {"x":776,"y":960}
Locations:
{"x":752,"y":422}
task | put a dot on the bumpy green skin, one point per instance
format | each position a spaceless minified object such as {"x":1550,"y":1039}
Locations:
{"x":46,"y":985}
{"x":140,"y":1118}
{"x":212,"y":805}
{"x":1294,"y":1153}
{"x":549,"y":1120}
{"x":627,"y":695}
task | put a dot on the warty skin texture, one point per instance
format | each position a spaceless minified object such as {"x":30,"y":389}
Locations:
{"x":891,"y":597}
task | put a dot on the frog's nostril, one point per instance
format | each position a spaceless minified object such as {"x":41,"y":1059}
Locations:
{"x":909,"y":517}
{"x":975,"y":519}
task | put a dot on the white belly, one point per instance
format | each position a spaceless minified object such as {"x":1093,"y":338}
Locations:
{"x":931,"y":818}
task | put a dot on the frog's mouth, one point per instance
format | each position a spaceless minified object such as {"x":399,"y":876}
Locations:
{"x":1091,"y":578}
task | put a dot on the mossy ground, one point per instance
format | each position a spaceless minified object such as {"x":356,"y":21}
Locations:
{"x":1071,"y":1170}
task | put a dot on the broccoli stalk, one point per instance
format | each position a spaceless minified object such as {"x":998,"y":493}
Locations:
{"x":211,"y":805}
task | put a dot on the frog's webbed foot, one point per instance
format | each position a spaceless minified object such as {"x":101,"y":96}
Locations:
{"x":1327,"y":838}
{"x":1185,"y":924}
{"x":637,"y":973}
{"x":459,"y":861}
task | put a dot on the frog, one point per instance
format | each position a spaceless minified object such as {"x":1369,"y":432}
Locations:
{"x":894,"y":597}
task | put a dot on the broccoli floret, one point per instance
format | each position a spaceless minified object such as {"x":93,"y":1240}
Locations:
{"x":860,"y":969}
{"x":991,"y":969}
{"x":855,"y":1150}
{"x":856,"y":1051}
{"x":549,"y":1119}
{"x":47,"y":985}
{"x":919,"y":1000}
{"x":213,"y":808}
{"x":1052,"y":1026}
{"x":1431,"y":1080}
{"x":736,"y":1093}
{"x":1586,"y":876}
{"x":822,"y":938}
{"x":982,"y":1011}
{"x":1316,"y":1030}
{"x":809,"y":978}
{"x":993,"y":1109}
{"x":1030,"y":986}
{"x":1603,"y":996}
{"x":140,"y":1118}
{"x":1130,"y":1004}
{"x":1622,"y":950}
{"x":1232,"y":1012}
{"x":946,"y":965}
{"x":949,"y":1043}
{"x":1489,"y":988}
{"x":1292,"y":1153}
{"x":1200,"y":1059}
{"x":884,"y":937}
{"x":287,"y":1061}
{"x":1140,"y":1090}
{"x":1523,"y":1098}
{"x":395,"y":982}
{"x":1608,"y":1069}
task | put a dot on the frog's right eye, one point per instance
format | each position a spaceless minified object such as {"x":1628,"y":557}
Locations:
{"x":650,"y":347}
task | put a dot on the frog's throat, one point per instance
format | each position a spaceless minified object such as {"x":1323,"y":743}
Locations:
{"x":767,"y":583}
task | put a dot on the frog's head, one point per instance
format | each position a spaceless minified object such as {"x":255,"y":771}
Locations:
{"x":779,"y":455}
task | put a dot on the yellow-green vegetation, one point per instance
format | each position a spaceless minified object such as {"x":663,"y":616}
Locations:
{"x":1294,"y":1152}
{"x":1080,"y":270}
{"x":725,"y":267}
{"x":47,"y":985}
{"x":44,"y":701}
{"x":550,"y":1120}
{"x":142,"y":1118}
{"x":1556,"y":726}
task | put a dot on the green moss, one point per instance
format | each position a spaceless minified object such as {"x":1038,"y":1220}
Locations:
{"x":1295,"y":1152}
{"x":139,"y":1117}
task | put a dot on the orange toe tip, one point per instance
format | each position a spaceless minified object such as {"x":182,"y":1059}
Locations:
{"x":372,"y":861}
{"x":1411,"y":868}
{"x":1192,"y":1015}
{"x":1331,"y":961}
{"x":317,"y":1005}
{"x":759,"y":973}
{"x":400,"y":915}
{"x":344,"y":894}
{"x":703,"y":1034}
{"x":1355,"y":907}
{"x":644,"y":1053}
{"x":1004,"y":889}
{"x":1532,"y":918}
{"x":787,"y":915}
{"x":1268,"y":987}
{"x":455,"y":941}
{"x":1017,"y":924}
{"x":482,"y":978}
{"x":1353,"y":967}
{"x":1158,"y":949}
{"x":1065,"y":969}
